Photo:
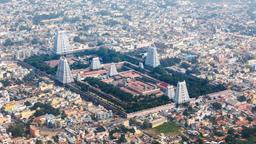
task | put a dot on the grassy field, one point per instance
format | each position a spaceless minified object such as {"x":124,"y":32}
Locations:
{"x":251,"y":140}
{"x":168,"y":128}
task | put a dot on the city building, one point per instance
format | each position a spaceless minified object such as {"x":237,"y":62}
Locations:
{"x":4,"y":98}
{"x":61,"y":43}
{"x":152,"y":58}
{"x":103,"y":115}
{"x":155,"y":122}
{"x":181,"y":95}
{"x":150,"y":120}
{"x":64,"y":74}
{"x":95,"y":64}
{"x":34,"y":131}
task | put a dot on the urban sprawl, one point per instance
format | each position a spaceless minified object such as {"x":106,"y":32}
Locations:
{"x":128,"y":71}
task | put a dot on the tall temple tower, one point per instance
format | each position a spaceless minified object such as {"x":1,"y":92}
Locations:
{"x":64,"y":74}
{"x":61,"y":43}
{"x":181,"y":95}
{"x":152,"y":58}
{"x":112,"y":70}
{"x":95,"y":64}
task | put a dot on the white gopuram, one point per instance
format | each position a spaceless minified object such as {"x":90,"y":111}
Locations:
{"x":152,"y":58}
{"x":61,"y":43}
{"x":112,"y":70}
{"x":181,"y":95}
{"x":95,"y":64}
{"x":64,"y":74}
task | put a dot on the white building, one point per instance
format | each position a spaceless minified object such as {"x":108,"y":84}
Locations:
{"x":61,"y":43}
{"x":95,"y":64}
{"x":112,"y":70}
{"x":152,"y":58}
{"x":103,"y":115}
{"x":181,"y":95}
{"x":64,"y":74}
{"x":4,"y":97}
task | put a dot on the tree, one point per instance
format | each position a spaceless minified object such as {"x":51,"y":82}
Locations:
{"x":216,"y":106}
{"x":39,"y":62}
{"x":231,"y":131}
{"x":196,"y":86}
{"x":35,"y":41}
{"x":79,"y":65}
{"x":230,"y":139}
{"x":247,"y":132}
{"x":49,"y":142}
{"x":170,"y":62}
{"x":39,"y":142}
{"x":250,"y":119}
{"x":241,"y":98}
{"x":219,"y":133}
{"x":111,"y":136}
{"x":200,"y":139}
{"x":8,"y":42}
{"x":17,"y":129}
{"x":254,"y":109}
{"x":27,"y":103}
{"x":76,"y":39}
{"x":132,"y":130}
{"x":122,"y":139}
{"x":155,"y":142}
{"x":6,"y":82}
{"x":42,"y":109}
{"x":55,"y":138}
{"x":185,"y":65}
